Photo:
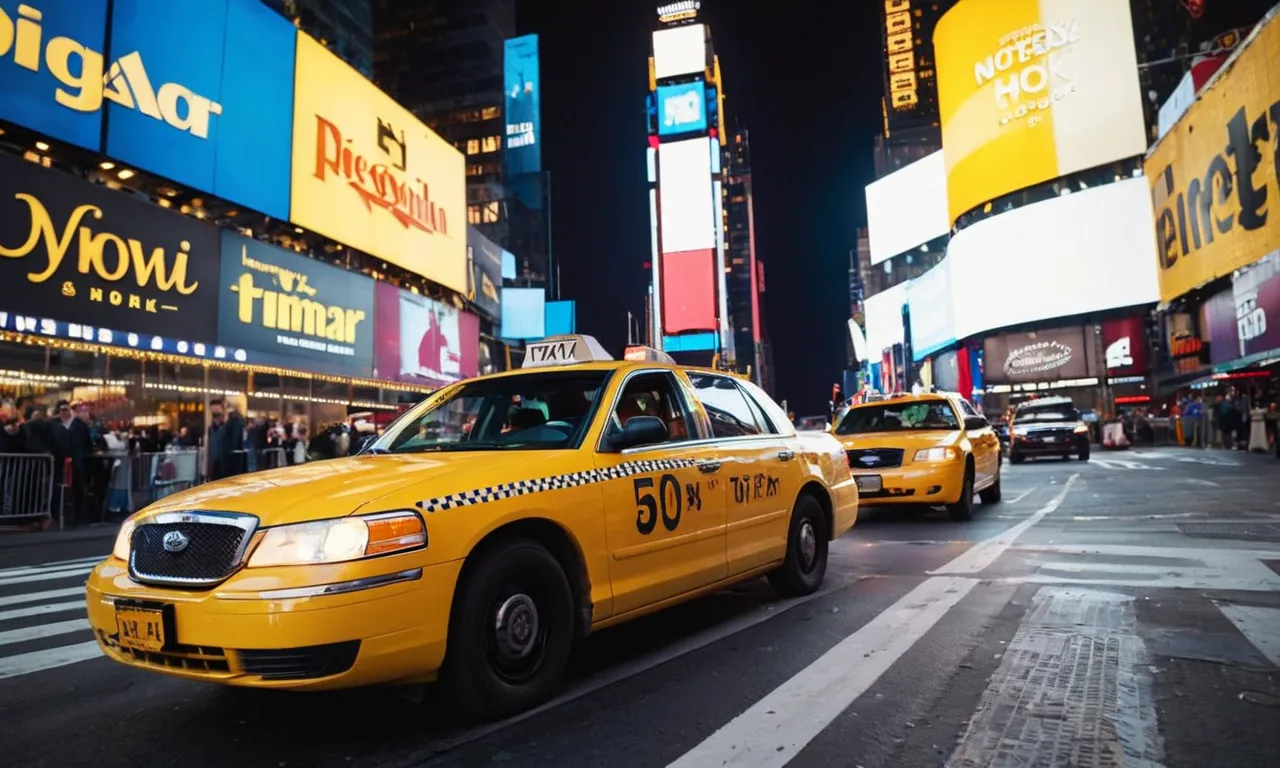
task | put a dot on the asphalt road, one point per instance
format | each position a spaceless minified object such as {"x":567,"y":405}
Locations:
{"x":1124,"y":611}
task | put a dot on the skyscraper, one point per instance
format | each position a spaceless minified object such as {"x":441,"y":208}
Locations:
{"x":343,"y":26}
{"x":910,"y":103}
{"x":745,"y":279}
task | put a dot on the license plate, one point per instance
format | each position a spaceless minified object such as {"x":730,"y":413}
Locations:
{"x":1051,"y":439}
{"x":868,"y":483}
{"x":140,"y":628}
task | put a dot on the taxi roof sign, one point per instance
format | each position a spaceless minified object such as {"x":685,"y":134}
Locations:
{"x":640,"y":353}
{"x":563,"y":350}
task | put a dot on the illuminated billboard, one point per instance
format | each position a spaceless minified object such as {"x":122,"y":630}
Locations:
{"x":682,"y":108}
{"x":1214,"y":181}
{"x":1030,"y":90}
{"x":522,"y":145}
{"x":369,"y":174}
{"x":524,"y":313}
{"x":687,"y":207}
{"x":689,"y":291}
{"x":907,"y":208}
{"x":679,"y":51}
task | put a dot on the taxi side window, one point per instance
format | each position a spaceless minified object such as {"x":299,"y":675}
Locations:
{"x":727,"y":406}
{"x":651,"y":394}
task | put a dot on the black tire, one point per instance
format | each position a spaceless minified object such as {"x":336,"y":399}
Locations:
{"x":510,"y":577}
{"x":1084,"y":455}
{"x":991,"y":494}
{"x":963,"y":509}
{"x":1016,"y":458}
{"x":807,"y":542}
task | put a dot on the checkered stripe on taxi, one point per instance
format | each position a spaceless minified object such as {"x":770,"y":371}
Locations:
{"x":552,"y":483}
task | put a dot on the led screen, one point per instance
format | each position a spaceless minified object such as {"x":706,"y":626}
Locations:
{"x":422,"y":341}
{"x":883,"y":316}
{"x":908,"y":208}
{"x":679,"y":51}
{"x":688,"y":291}
{"x":524,"y":314}
{"x":690,"y":342}
{"x":932,"y":322}
{"x":1066,"y":256}
{"x":686,"y":200}
{"x":561,"y":318}
{"x":1030,"y":90}
{"x":522,"y":147}
{"x":682,"y":108}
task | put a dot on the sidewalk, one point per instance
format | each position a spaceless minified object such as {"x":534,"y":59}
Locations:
{"x":1211,"y":451}
{"x":22,"y":537}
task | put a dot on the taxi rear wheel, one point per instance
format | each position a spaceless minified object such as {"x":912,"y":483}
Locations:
{"x":511,"y":631}
{"x":806,"y":563}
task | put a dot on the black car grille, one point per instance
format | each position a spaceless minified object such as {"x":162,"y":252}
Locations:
{"x":1061,"y":433}
{"x":300,"y":663}
{"x":884,"y":458}
{"x":212,"y":553}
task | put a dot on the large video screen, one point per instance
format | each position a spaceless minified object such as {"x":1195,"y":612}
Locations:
{"x":524,"y":313}
{"x":679,"y":51}
{"x":932,"y":316}
{"x":423,"y":341}
{"x":682,"y":108}
{"x":522,"y":147}
{"x":882,"y":314}
{"x":1030,"y":90}
{"x":688,"y":291}
{"x":908,"y":208}
{"x":1066,"y":256}
{"x":686,"y":200}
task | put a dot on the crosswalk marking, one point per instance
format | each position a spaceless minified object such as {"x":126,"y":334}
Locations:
{"x":61,"y":565}
{"x":42,"y":631}
{"x":44,"y":576}
{"x":1259,"y":625}
{"x":1124,"y":464}
{"x":34,"y":597}
{"x":41,"y":610}
{"x":36,"y":661}
{"x":53,"y":595}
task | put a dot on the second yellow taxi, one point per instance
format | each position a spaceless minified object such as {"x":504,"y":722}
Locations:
{"x":486,"y":530}
{"x":933,"y":449}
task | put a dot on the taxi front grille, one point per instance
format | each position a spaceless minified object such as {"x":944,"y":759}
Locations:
{"x":875,"y":458}
{"x":210,"y":553}
{"x":186,"y":657}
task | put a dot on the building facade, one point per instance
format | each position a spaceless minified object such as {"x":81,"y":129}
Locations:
{"x":745,"y":280}
{"x":345,"y":27}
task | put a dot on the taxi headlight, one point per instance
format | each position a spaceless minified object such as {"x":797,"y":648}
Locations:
{"x":936,"y":454}
{"x":124,"y":540}
{"x":340,"y":540}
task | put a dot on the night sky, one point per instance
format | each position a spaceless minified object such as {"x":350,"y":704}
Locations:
{"x":807,"y":88}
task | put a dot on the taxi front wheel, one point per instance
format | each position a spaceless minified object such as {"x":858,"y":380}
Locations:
{"x":806,"y":564}
{"x":511,"y":631}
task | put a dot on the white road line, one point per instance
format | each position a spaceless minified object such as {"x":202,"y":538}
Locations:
{"x":35,"y":661}
{"x":41,"y":610}
{"x":44,"y":576}
{"x":980,"y":556}
{"x":35,"y":597}
{"x":42,"y":631}
{"x":58,"y":566}
{"x":1024,"y":494}
{"x":776,"y":728}
{"x":1260,"y":626}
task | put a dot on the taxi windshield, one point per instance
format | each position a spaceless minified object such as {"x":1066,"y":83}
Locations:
{"x":533,"y":411}
{"x":897,"y":417}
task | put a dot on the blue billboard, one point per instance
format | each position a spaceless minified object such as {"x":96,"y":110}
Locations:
{"x":682,"y":108}
{"x":561,"y":318}
{"x":51,"y":68}
{"x":522,"y":145}
{"x":204,"y":96}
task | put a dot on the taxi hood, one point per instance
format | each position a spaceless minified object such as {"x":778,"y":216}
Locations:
{"x":337,"y":487}
{"x":906,"y":439}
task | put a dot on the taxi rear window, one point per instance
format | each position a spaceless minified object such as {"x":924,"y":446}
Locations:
{"x":918,"y":415}
{"x":535,"y":411}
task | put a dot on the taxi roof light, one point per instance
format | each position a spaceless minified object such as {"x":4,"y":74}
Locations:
{"x":641,"y":353}
{"x":564,"y":350}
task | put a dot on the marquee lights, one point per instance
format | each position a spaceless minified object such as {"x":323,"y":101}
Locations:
{"x":679,"y":11}
{"x":900,"y":50}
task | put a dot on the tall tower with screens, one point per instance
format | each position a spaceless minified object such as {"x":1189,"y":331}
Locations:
{"x":688,"y":296}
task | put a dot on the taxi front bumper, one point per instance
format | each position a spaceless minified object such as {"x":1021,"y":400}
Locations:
{"x":935,"y":482}
{"x":280,"y":627}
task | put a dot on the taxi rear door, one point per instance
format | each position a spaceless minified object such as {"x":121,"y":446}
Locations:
{"x":664,"y":506}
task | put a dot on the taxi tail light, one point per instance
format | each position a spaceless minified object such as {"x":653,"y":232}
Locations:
{"x":1082,"y":429}
{"x":395,"y":533}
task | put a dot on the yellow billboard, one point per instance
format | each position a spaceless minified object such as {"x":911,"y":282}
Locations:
{"x":370,"y":175}
{"x":1030,"y":90}
{"x":1215,"y":177}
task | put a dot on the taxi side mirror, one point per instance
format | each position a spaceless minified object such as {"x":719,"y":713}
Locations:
{"x":975,"y":422}
{"x":640,"y":430}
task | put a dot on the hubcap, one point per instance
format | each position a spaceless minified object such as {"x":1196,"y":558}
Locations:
{"x":516,"y":627}
{"x":808,"y":545}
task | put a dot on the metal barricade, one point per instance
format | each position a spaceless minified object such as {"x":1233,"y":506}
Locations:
{"x":26,"y":487}
{"x":138,"y":480}
{"x":247,"y":461}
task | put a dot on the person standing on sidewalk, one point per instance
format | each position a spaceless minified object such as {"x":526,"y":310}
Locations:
{"x":1193,"y":416}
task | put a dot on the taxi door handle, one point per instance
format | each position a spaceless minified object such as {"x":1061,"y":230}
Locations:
{"x":786,"y":455}
{"x":709,"y":467}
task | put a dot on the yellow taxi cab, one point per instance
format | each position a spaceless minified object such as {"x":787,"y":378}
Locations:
{"x":932,"y":448}
{"x":488,"y":528}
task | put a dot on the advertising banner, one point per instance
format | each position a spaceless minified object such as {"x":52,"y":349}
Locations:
{"x":522,"y":148}
{"x":1214,"y":176}
{"x":369,"y":174}
{"x":51,"y":68}
{"x":484,"y":289}
{"x":86,"y":254}
{"x":278,"y":302}
{"x":1124,"y":344}
{"x":1064,"y":353}
{"x":1030,"y":90}
{"x":422,"y":341}
{"x":524,"y":313}
{"x":932,"y":319}
{"x":682,"y":108}
{"x":688,"y":291}
{"x":1218,"y":331}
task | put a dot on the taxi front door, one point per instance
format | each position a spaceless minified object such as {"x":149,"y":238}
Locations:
{"x":665,"y":511}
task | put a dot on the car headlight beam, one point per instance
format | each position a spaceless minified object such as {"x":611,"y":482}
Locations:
{"x":936,"y":454}
{"x":340,"y":540}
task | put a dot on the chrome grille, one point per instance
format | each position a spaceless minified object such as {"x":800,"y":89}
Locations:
{"x":875,"y":458}
{"x":214,"y":547}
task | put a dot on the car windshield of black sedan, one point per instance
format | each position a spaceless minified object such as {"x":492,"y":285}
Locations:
{"x":1047,"y":414}
{"x":533,"y":411}
{"x":898,"y":417}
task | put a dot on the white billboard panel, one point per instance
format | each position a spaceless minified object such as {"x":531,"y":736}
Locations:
{"x":882,"y":314}
{"x":1088,"y":251}
{"x":686,"y":200}
{"x":908,"y":207}
{"x":679,"y":51}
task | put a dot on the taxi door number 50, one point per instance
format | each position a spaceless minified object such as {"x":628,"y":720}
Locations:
{"x":666,"y":503}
